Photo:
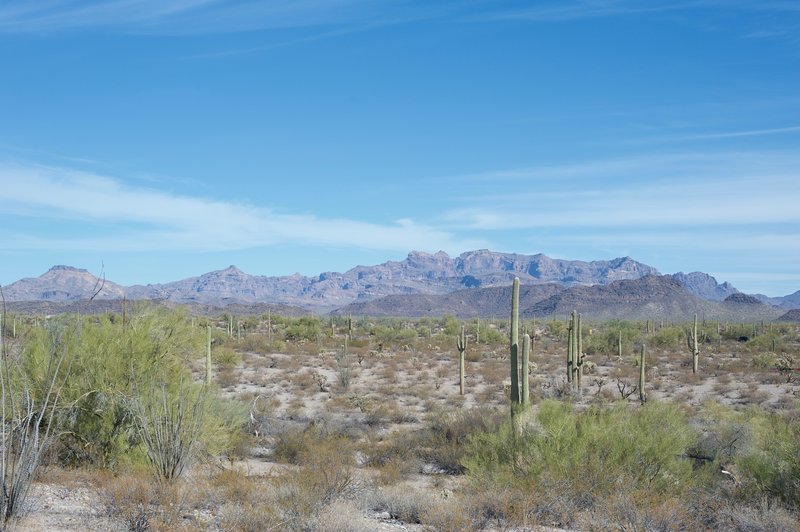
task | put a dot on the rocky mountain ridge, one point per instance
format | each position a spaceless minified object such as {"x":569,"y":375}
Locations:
{"x":651,"y":297}
{"x":419,"y":273}
{"x":459,"y":280}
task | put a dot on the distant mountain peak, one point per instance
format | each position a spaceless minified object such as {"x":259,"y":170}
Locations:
{"x":705,"y":286}
{"x":64,"y":268}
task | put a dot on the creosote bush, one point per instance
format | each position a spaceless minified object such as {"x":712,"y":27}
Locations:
{"x":597,"y":452}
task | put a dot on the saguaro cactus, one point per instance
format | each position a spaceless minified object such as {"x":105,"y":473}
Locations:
{"x":574,"y":351}
{"x":578,"y":353}
{"x":515,"y":343}
{"x":461,"y":344}
{"x":571,"y":348}
{"x":693,"y":345}
{"x":642,"y":392}
{"x":520,"y":399}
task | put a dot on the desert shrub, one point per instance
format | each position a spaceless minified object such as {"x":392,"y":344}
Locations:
{"x":403,"y":504}
{"x":491,"y":335}
{"x":114,"y":367}
{"x":305,"y":328}
{"x":141,"y":505}
{"x":225,"y":357}
{"x":761,"y":448}
{"x":606,"y":340}
{"x":766,"y":343}
{"x":444,"y":439}
{"x":772,"y":465}
{"x":451,"y":326}
{"x":557,"y":328}
{"x":599,"y":451}
{"x":668,"y":338}
{"x":326,"y":474}
{"x":763,"y":360}
{"x":388,"y":333}
{"x":256,"y":343}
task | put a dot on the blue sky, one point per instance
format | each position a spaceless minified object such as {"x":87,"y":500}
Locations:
{"x":163,"y":139}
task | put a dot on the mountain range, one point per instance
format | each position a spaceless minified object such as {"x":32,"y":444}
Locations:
{"x":472,"y":283}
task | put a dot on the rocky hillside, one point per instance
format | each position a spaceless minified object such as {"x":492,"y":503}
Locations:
{"x":793,"y":315}
{"x":651,"y":297}
{"x":62,"y":283}
{"x":466,"y":303}
{"x":704,"y":286}
{"x":792,"y":301}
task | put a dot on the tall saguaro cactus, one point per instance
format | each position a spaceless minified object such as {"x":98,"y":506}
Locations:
{"x":693,"y":345}
{"x":461,"y":344}
{"x":642,"y":392}
{"x":515,"y":343}
{"x":571,"y":349}
{"x":520,"y":399}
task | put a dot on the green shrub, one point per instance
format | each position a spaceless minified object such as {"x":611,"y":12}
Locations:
{"x":306,"y":328}
{"x":599,"y":451}
{"x":225,"y":357}
{"x":763,"y":360}
{"x":113,"y":367}
{"x":766,"y":343}
{"x":668,"y":338}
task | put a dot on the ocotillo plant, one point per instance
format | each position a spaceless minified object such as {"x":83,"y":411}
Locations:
{"x":461,"y":344}
{"x":619,"y":344}
{"x":692,"y":340}
{"x":642,"y":393}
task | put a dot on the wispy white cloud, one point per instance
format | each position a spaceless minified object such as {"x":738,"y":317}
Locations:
{"x":565,"y":10}
{"x":580,"y":9}
{"x":181,"y":16}
{"x":790,"y":130}
{"x":141,"y":219}
{"x":662,"y":191}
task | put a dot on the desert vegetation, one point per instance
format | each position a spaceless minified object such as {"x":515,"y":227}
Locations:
{"x":355,"y":423}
